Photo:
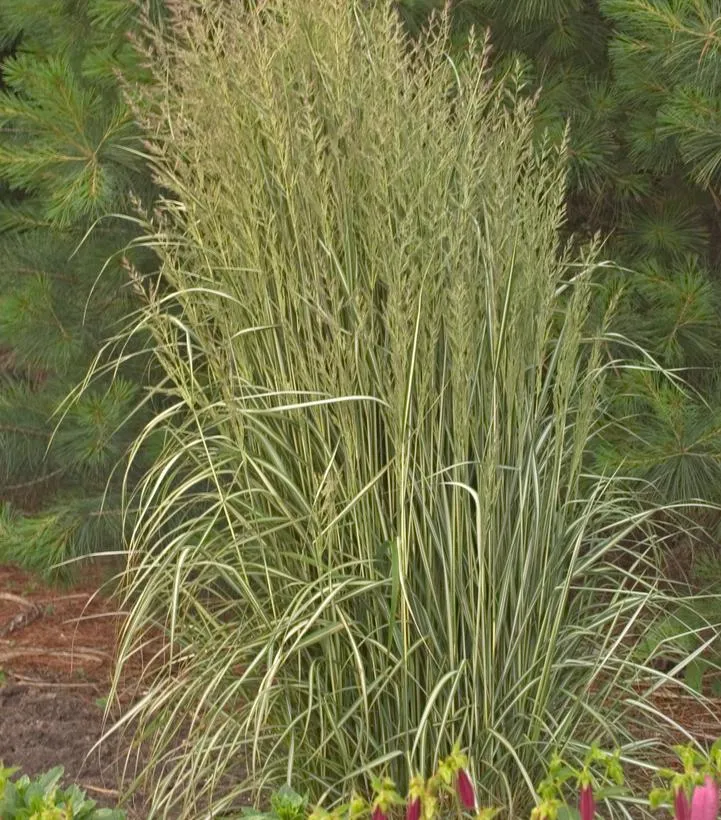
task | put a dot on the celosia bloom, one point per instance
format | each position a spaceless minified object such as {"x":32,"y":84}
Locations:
{"x":586,"y":803}
{"x":413,"y":810}
{"x":466,"y":792}
{"x":705,"y":801}
{"x":682,"y":810}
{"x":378,"y":813}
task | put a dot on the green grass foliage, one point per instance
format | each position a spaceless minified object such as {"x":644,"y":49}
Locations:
{"x":371,"y":531}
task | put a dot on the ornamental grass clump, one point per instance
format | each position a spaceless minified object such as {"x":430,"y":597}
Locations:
{"x":370,"y":532}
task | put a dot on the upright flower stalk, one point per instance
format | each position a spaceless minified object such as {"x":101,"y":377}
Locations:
{"x":413,"y":809}
{"x":693,"y":792}
{"x":682,"y":808}
{"x":586,"y":802}
{"x":454,"y":775}
{"x":705,"y":800}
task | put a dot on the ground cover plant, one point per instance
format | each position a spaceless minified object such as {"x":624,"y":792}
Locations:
{"x":373,"y":529}
{"x":42,"y":798}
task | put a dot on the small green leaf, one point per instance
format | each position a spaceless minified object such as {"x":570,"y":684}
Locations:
{"x":693,"y":674}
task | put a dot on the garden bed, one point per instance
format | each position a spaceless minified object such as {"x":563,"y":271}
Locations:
{"x":56,"y":653}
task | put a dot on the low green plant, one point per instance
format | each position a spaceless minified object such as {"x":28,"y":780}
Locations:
{"x":43,"y":798}
{"x":684,"y":643}
{"x":285,"y":804}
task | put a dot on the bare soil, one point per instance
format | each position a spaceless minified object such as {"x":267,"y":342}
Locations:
{"x":42,"y":728}
{"x":56,"y":654}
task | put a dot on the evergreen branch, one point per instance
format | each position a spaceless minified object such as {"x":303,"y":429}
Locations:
{"x":24,"y":431}
{"x":41,"y":479}
{"x":20,"y":217}
{"x":694,"y":119}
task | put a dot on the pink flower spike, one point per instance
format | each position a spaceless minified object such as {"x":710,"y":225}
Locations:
{"x":379,"y":814}
{"x":705,"y":801}
{"x":586,"y":803}
{"x":413,"y":810}
{"x":466,"y":792}
{"x":681,"y":805}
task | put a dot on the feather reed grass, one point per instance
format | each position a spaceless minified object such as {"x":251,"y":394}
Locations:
{"x":371,"y":530}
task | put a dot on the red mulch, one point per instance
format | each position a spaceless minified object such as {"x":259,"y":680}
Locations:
{"x":62,"y":636}
{"x":56,"y":654}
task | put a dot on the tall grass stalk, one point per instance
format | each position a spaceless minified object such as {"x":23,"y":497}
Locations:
{"x":370,"y":532}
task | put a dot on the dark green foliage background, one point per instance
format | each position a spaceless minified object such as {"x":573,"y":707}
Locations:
{"x":71,"y":168}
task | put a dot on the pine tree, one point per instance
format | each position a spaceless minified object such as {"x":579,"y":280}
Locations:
{"x":72,"y":166}
{"x":639,"y":85}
